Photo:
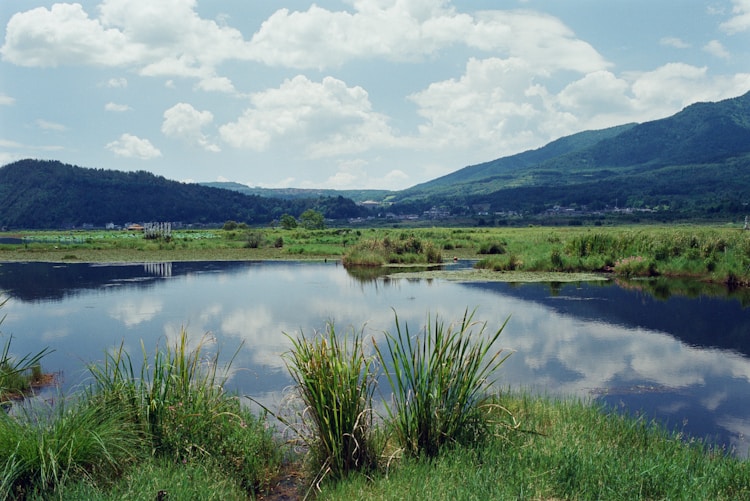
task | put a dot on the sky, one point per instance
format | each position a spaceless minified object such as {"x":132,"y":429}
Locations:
{"x":347,"y":94}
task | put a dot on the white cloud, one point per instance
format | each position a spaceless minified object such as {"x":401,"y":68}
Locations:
{"x":715,"y":48}
{"x":501,"y":106}
{"x":133,"y":312}
{"x":331,"y":118}
{"x":404,"y":31}
{"x":490,"y":105}
{"x":64,"y":35}
{"x":740,"y":20}
{"x":117,"y":108}
{"x":117,"y":83}
{"x":157,"y":38}
{"x":674,"y":42}
{"x":47,"y":125}
{"x":216,"y":84}
{"x":184,"y":122}
{"x":6,"y":100}
{"x":131,"y":146}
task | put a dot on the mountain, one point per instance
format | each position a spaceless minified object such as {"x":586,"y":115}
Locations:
{"x":695,"y":163}
{"x":50,"y":194}
{"x":696,"y":160}
{"x":295,"y":193}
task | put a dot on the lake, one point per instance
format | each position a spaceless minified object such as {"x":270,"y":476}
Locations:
{"x":681,"y":359}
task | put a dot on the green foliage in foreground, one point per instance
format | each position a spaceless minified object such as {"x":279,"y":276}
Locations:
{"x":171,"y":412}
{"x":573,"y":451}
{"x":336,"y":382}
{"x":42,"y":448}
{"x":438,"y":380}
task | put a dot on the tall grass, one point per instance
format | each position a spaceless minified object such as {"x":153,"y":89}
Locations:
{"x":17,"y":374}
{"x":438,"y":379}
{"x":404,"y":249}
{"x":578,"y":451}
{"x":178,"y":401}
{"x":41,"y":448}
{"x":336,"y":381}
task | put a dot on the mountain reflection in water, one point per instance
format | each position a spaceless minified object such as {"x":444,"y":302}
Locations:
{"x":684,"y":360}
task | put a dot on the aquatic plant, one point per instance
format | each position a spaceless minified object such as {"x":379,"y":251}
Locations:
{"x":438,"y":378}
{"x":335,"y":380}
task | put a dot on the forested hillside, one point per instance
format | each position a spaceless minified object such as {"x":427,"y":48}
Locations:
{"x":50,"y":194}
{"x":695,"y":162}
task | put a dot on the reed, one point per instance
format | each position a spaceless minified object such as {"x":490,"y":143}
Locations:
{"x":438,"y":379}
{"x":177,"y":400}
{"x":43,"y":447}
{"x":17,"y":374}
{"x":335,"y":380}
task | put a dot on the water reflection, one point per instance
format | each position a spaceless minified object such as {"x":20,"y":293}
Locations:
{"x":683,"y":360}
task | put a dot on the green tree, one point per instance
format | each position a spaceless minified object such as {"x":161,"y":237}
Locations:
{"x":312,"y":220}
{"x":288,"y":222}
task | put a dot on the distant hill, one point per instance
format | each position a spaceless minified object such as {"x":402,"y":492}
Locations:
{"x":50,"y":194}
{"x":295,"y":193}
{"x":692,"y":164}
{"x":695,"y":161}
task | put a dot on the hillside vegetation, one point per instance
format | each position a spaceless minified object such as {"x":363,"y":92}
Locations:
{"x":695,"y":163}
{"x":50,"y":194}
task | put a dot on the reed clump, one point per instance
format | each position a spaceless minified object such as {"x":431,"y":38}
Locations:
{"x":173,"y":410}
{"x":403,"y":249}
{"x":438,"y":379}
{"x":335,"y":380}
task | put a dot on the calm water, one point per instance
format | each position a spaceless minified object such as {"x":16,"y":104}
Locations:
{"x":684,"y":361}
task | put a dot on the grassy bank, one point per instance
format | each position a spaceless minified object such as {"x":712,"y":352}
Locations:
{"x":718,"y":254}
{"x":169,"y":431}
{"x":563,"y":450}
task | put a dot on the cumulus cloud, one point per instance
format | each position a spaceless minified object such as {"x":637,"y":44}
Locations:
{"x":118,"y":108}
{"x":403,"y":31}
{"x":47,"y":125}
{"x":6,"y":100}
{"x":329,"y":117}
{"x":157,"y":38}
{"x":491,"y":104}
{"x":131,"y":146}
{"x":740,"y":20}
{"x":64,"y":35}
{"x":715,"y":48}
{"x":674,"y":42}
{"x":502,"y":105}
{"x":184,"y":122}
{"x":117,"y":83}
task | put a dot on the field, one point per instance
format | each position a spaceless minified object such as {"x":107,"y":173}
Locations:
{"x":719,"y":254}
{"x":172,"y":432}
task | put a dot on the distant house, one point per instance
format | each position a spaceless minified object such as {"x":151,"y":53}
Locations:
{"x":135,"y":227}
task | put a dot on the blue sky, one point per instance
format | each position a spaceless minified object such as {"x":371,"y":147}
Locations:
{"x":351,"y":93}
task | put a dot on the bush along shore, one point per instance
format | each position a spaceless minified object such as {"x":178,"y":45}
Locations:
{"x":168,"y":430}
{"x":718,"y":254}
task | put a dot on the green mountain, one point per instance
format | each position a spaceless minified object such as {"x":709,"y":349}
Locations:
{"x":50,"y":194}
{"x":695,"y":163}
{"x":696,"y":160}
{"x":295,"y":193}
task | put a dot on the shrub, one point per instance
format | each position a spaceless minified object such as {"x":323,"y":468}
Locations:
{"x":437,"y":380}
{"x":492,"y":248}
{"x":253,"y":240}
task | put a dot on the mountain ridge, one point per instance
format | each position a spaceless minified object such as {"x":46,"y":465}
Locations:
{"x":693,"y":163}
